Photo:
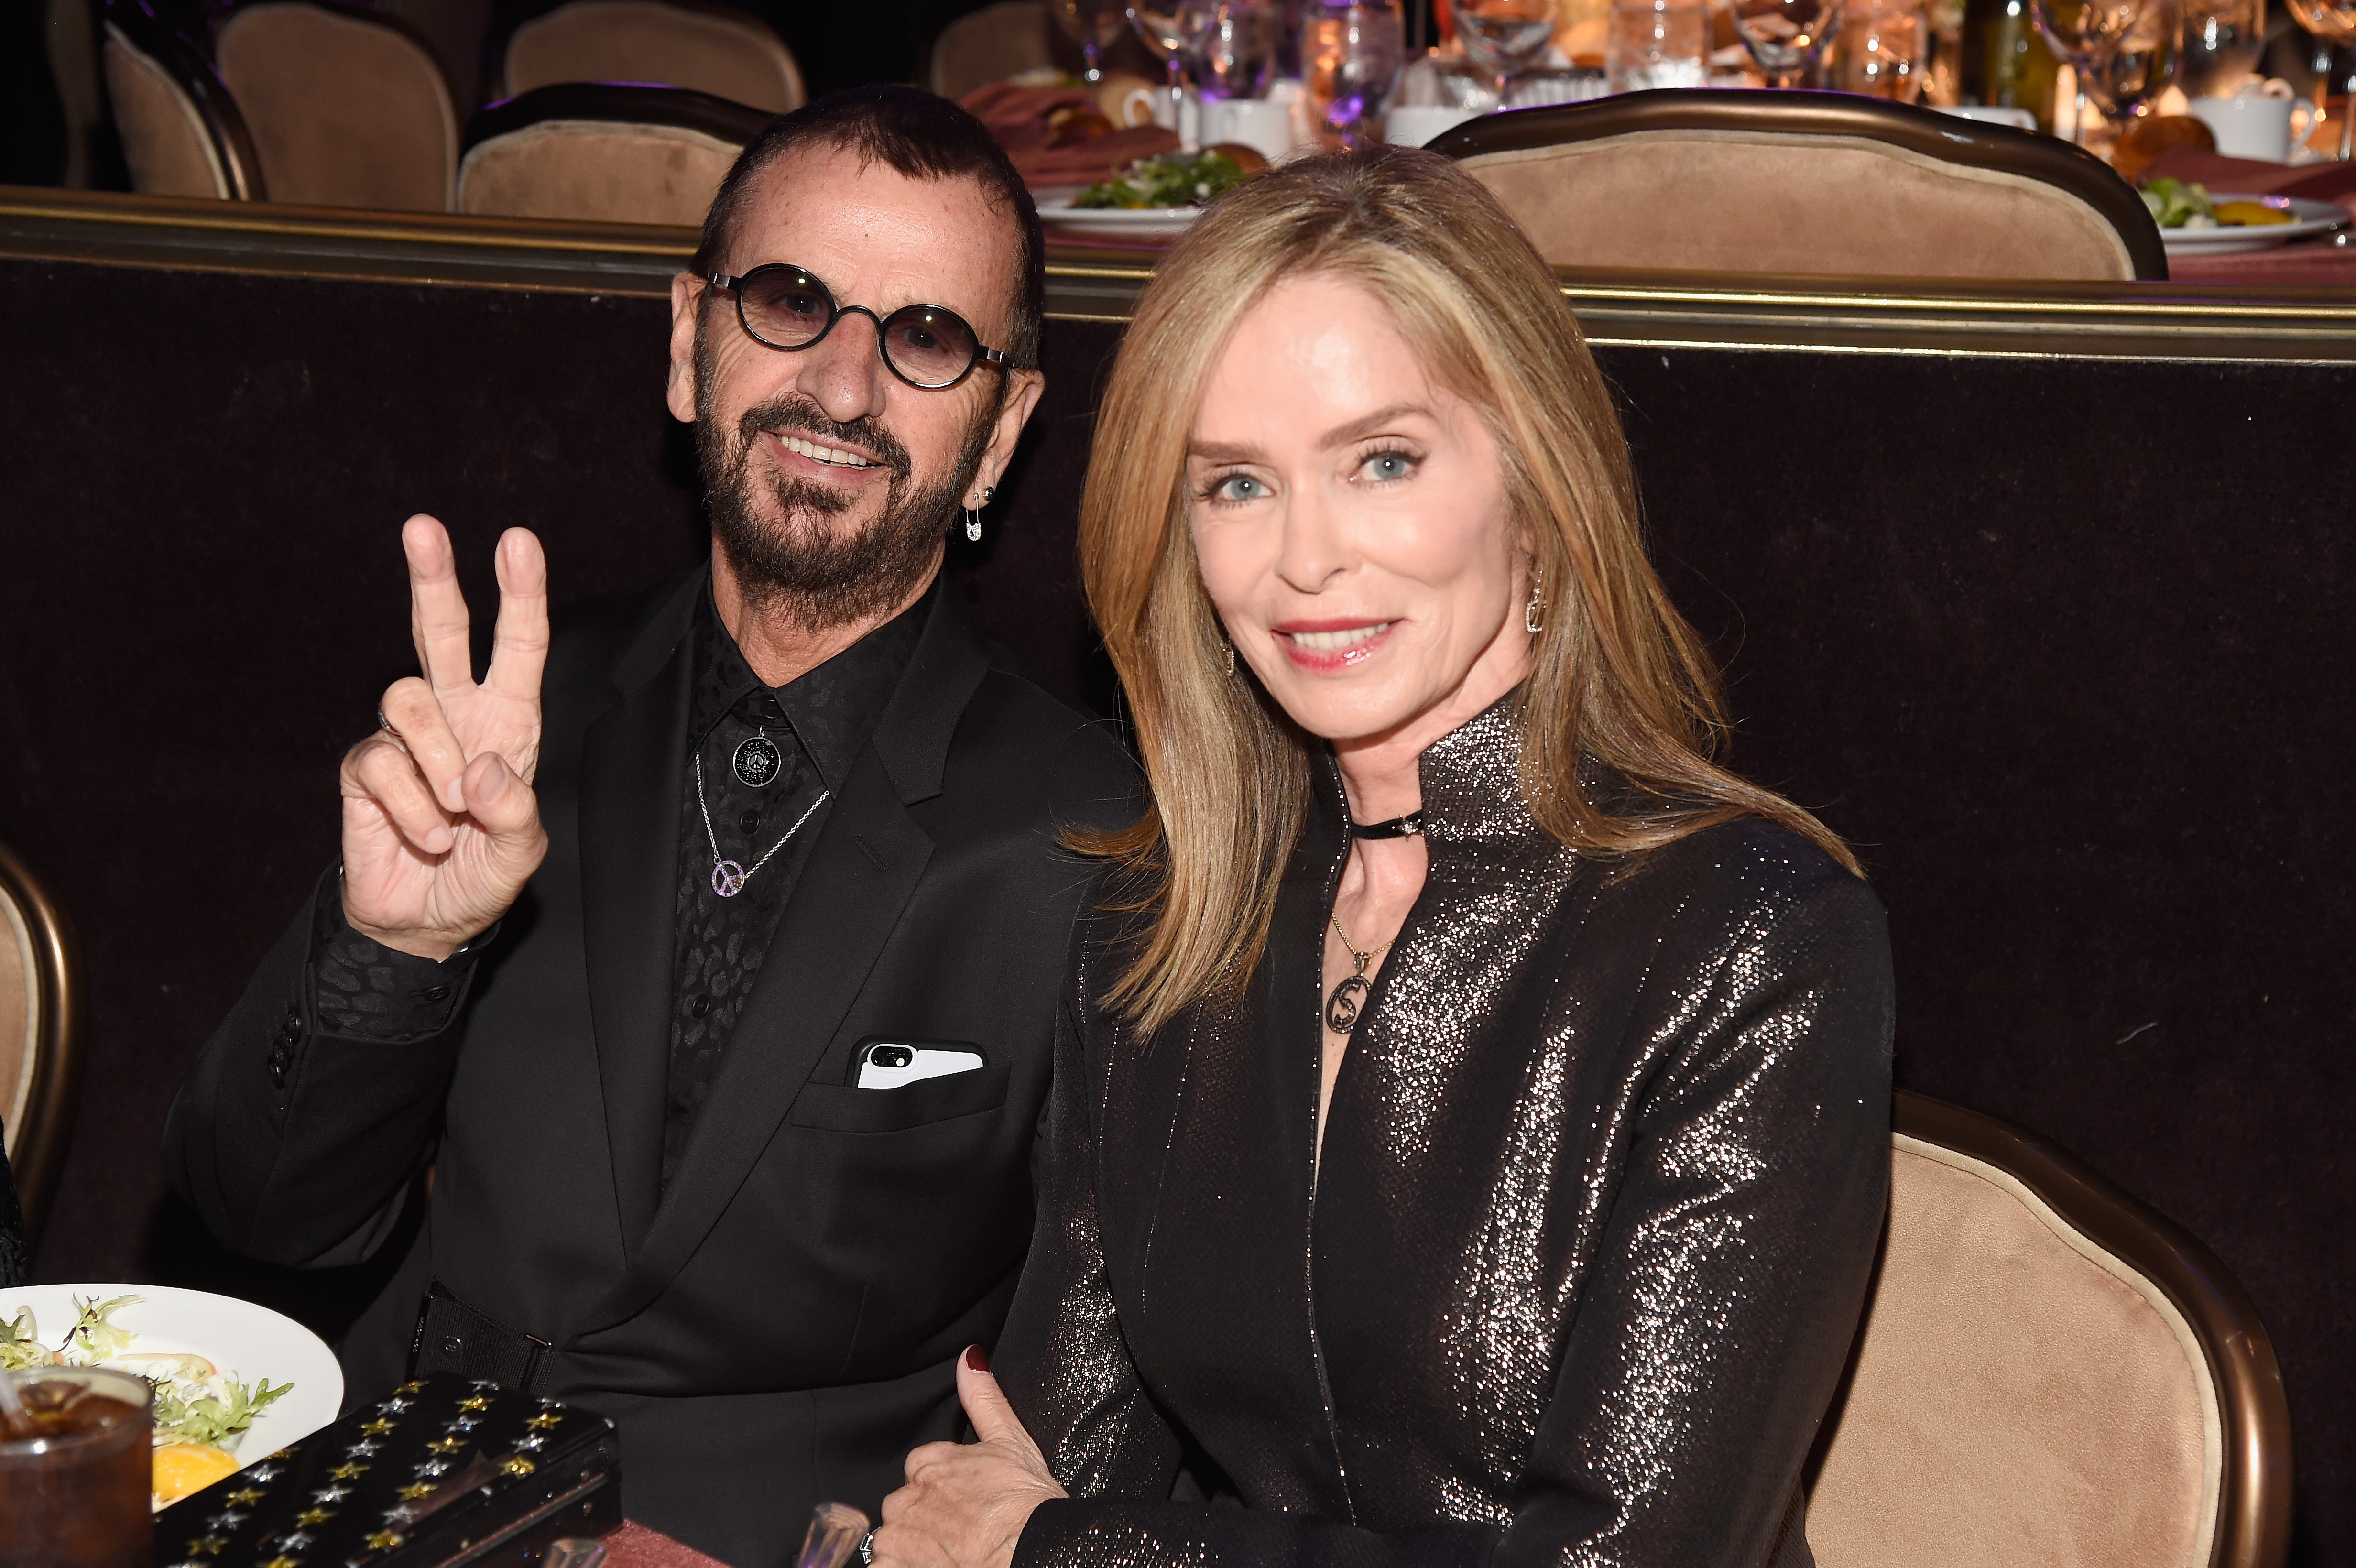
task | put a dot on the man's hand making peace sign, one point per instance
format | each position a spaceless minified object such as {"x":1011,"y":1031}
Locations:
{"x":440,"y":827}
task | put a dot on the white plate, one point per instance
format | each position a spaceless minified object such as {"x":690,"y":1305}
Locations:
{"x":247,"y":1341}
{"x":2308,"y":218}
{"x":1136,"y":222}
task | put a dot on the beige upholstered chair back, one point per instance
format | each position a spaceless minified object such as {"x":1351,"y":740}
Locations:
{"x":991,"y":44}
{"x":181,"y":133}
{"x":709,"y":49}
{"x":604,"y":152}
{"x":348,"y":108}
{"x":1805,"y":183}
{"x":2047,"y":1374}
{"x":41,"y":1032}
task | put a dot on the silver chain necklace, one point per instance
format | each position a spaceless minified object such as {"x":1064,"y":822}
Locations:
{"x":728,"y":878}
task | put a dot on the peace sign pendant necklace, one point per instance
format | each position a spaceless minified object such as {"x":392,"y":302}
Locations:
{"x":728,"y":878}
{"x":1342,"y":1004}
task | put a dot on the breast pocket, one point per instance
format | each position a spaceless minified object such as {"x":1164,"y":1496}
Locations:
{"x":834,"y":1107}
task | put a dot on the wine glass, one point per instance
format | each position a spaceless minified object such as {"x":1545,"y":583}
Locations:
{"x":1238,"y":50}
{"x":2087,"y":32}
{"x":1095,"y":25}
{"x":1787,"y":37}
{"x":1350,"y":54}
{"x":1506,"y":37}
{"x":1174,"y":29}
{"x":2145,"y":65}
{"x":1885,"y":46}
{"x":2332,"y":22}
{"x":2223,"y":41}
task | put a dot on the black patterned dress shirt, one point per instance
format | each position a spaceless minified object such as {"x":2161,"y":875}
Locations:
{"x":815,"y":727}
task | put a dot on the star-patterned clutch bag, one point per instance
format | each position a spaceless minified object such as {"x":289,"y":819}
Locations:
{"x":445,"y":1472}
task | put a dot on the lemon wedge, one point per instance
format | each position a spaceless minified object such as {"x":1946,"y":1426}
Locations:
{"x":185,"y":1467}
{"x":2249,"y":212}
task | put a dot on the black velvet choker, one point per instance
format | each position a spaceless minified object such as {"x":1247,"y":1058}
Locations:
{"x":1405,"y":826}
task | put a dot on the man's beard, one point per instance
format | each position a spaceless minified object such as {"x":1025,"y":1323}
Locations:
{"x":796,"y":566}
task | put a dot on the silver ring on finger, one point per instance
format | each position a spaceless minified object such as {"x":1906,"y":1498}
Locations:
{"x":867,"y":1547}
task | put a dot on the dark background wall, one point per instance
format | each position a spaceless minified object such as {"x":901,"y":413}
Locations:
{"x":2060,"y":646}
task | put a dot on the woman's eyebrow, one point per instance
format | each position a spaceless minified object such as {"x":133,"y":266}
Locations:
{"x":1221,"y":452}
{"x":1366,"y":425}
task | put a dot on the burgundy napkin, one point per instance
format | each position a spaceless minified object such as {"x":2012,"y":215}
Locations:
{"x":2317,"y":182}
{"x":636,"y":1546}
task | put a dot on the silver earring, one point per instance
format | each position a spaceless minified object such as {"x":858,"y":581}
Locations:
{"x":1231,"y":661}
{"x":1534,"y":612}
{"x":973,"y":524}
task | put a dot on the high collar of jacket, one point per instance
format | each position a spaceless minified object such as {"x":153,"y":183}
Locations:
{"x":912,"y":737}
{"x":1475,"y":817}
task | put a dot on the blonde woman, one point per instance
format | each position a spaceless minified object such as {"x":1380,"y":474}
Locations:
{"x":1470,"y":1123}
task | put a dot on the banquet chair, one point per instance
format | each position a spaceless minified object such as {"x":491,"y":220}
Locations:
{"x":676,"y":43}
{"x":40,"y":1033}
{"x":182,"y":134}
{"x":606,"y":152}
{"x":1807,"y":183}
{"x":989,"y":44}
{"x":2048,"y":1372}
{"x":346,"y":104}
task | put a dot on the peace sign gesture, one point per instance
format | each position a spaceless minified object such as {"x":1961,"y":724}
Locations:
{"x":440,"y":827}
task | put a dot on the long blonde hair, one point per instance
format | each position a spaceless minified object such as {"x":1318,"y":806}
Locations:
{"x":1616,"y":674}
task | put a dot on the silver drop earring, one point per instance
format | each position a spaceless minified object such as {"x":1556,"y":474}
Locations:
{"x":1534,"y":612}
{"x":1231,"y":661}
{"x":973,"y":514}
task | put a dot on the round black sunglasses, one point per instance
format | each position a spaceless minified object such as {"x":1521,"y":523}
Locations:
{"x":925,"y":346}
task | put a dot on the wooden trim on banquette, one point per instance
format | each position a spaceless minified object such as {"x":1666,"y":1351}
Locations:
{"x":1617,"y":309}
{"x":2253,"y":1516}
{"x":59,"y":1010}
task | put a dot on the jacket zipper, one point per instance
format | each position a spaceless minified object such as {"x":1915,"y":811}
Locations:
{"x":1316,"y":1170}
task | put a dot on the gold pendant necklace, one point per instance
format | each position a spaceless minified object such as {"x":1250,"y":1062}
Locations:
{"x":1343,"y":1003}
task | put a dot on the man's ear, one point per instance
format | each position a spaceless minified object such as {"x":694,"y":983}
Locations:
{"x":1023,"y":390}
{"x":686,"y":305}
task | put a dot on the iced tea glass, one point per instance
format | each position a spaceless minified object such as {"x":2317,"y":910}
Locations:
{"x":74,"y":1494}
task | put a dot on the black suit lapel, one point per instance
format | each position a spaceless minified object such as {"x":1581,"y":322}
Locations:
{"x":630,"y":854}
{"x":868,"y":860}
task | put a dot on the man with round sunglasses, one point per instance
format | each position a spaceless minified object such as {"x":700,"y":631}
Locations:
{"x":676,"y":1023}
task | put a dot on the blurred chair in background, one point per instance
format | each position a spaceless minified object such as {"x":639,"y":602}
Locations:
{"x":40,"y":1033}
{"x":676,"y":43}
{"x":1800,"y":182}
{"x":2048,"y":1372}
{"x":991,"y":44}
{"x":453,"y":30}
{"x":347,"y":106}
{"x":182,"y":134}
{"x":604,"y":152}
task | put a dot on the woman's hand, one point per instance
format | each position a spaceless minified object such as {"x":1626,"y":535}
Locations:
{"x":965,"y":1504}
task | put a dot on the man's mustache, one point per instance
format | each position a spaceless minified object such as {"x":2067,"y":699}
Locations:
{"x":798,"y":414}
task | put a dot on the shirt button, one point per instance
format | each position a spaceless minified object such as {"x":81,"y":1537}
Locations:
{"x":435,"y":993}
{"x":749,"y":821}
{"x":700,"y":1005}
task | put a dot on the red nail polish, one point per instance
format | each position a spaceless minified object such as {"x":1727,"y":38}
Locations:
{"x":977,"y":1358}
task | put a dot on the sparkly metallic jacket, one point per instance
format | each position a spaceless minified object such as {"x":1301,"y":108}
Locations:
{"x":1600,"y":1194}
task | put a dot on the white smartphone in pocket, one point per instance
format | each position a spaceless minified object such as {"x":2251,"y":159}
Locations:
{"x":888,"y":1063}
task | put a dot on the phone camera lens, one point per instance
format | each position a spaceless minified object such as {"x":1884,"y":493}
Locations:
{"x":892,"y":1056}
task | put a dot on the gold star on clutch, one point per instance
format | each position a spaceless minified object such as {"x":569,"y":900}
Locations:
{"x":378,"y":1427}
{"x":416,"y":1490}
{"x":282,"y":1561}
{"x":345,"y":1472}
{"x":314,"y":1516}
{"x":246,"y":1497}
{"x":445,"y":1445}
{"x":474,"y":1402}
{"x":517,"y":1465}
{"x":384,"y":1540}
{"x":206,"y":1545}
{"x":410,"y":1388}
{"x":543,"y":1421}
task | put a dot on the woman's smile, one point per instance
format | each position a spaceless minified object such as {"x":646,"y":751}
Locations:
{"x":1332,"y":644}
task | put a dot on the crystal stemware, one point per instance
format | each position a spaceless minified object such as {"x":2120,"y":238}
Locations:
{"x":2222,"y":41}
{"x":1237,"y":53}
{"x":2087,"y":32}
{"x":2332,"y":22}
{"x":1787,"y":37}
{"x":1175,"y":30}
{"x":1883,"y":50}
{"x":1506,"y":37}
{"x":1350,"y":55}
{"x":2145,"y":64}
{"x":1094,"y":24}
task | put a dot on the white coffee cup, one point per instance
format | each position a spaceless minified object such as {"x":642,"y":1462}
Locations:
{"x":1263,"y":126}
{"x":2250,"y":125}
{"x":1419,"y":125}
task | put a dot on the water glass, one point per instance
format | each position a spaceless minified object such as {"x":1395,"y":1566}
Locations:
{"x":1787,"y":37}
{"x":74,"y":1493}
{"x":2331,"y":22}
{"x":2147,"y":63}
{"x":1657,"y":43}
{"x":1238,"y":52}
{"x":2222,"y":41}
{"x":1883,"y":48}
{"x":2087,"y":33}
{"x":1506,"y":37}
{"x":1350,"y":55}
{"x":1094,"y":24}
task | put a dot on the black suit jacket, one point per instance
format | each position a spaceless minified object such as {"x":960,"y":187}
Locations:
{"x":779,"y":1325}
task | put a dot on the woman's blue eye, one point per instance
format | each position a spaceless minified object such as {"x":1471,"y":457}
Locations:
{"x":1238,"y":487}
{"x":1388,"y":466}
